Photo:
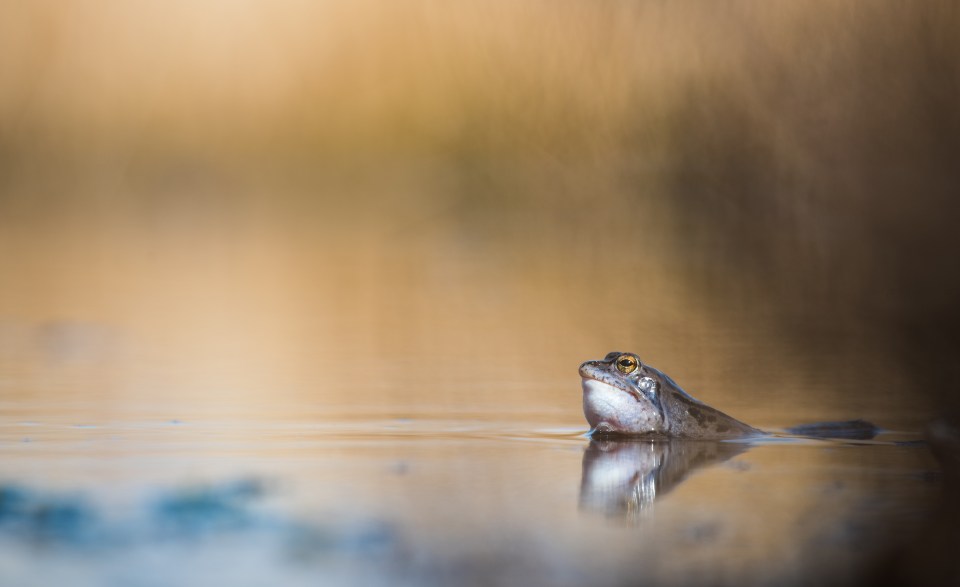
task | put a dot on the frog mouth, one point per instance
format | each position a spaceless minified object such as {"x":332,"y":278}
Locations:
{"x":593,"y":371}
{"x":614,"y":383}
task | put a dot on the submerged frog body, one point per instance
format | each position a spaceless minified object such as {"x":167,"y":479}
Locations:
{"x":623,"y":396}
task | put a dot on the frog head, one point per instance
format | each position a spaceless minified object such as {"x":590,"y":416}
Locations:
{"x":622,"y":396}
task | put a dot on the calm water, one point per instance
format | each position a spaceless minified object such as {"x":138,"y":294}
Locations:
{"x":180,"y":495}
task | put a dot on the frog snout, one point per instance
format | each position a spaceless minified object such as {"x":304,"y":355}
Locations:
{"x":585,"y":367}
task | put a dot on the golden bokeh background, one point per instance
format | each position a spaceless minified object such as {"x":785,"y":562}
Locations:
{"x":448,"y":205}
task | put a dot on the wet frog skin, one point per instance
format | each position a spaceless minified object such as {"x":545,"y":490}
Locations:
{"x":623,"y":396}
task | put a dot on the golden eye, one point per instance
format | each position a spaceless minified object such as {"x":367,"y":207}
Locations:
{"x":626,"y":364}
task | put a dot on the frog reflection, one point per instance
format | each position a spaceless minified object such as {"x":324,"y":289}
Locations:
{"x":622,"y":477}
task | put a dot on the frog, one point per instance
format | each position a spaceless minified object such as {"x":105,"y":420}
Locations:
{"x":622,"y":396}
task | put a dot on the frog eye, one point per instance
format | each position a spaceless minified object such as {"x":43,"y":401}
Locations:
{"x":626,"y":364}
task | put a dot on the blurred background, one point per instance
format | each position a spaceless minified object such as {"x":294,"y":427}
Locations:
{"x":426,"y":205}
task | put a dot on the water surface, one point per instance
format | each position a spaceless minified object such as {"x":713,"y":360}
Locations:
{"x":433,"y":498}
